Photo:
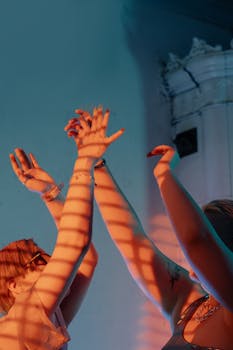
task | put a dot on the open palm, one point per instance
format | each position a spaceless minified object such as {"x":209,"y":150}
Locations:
{"x":29,"y":173}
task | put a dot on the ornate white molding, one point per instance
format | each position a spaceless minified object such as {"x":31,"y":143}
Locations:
{"x":199,"y":88}
{"x":199,"y":47}
{"x":203,"y":77}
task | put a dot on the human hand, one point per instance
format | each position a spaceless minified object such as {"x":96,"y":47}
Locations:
{"x":89,"y":133}
{"x":29,"y":173}
{"x":168,"y":161}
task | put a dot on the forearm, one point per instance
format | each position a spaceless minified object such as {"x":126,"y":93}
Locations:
{"x":72,"y":302}
{"x":73,"y":239}
{"x":89,"y":262}
{"x":198,"y":239}
{"x":117,"y":213}
{"x":206,"y":253}
{"x":55,"y":208}
{"x":76,"y":220}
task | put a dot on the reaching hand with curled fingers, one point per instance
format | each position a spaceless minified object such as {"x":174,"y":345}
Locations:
{"x":89,"y":132}
{"x":29,"y":172}
{"x":168,"y":161}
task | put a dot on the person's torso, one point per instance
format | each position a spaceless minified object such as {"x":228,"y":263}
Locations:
{"x":206,"y":333}
{"x":27,"y":327}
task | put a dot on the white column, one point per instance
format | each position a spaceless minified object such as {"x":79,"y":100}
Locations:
{"x":200,"y":90}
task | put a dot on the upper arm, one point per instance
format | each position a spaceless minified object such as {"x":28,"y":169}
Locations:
{"x":58,"y":274}
{"x":73,"y":240}
{"x":71,"y":303}
{"x":213,"y":263}
{"x":161,"y":279}
{"x":210,"y":259}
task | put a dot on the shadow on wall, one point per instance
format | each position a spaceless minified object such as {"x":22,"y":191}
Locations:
{"x":152,"y":31}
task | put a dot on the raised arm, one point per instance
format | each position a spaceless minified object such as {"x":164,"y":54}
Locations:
{"x":37,"y":180}
{"x":210,"y":259}
{"x":75,"y":224}
{"x":163,"y":281}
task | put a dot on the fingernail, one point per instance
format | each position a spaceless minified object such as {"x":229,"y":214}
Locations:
{"x":150,"y":154}
{"x":78,"y":111}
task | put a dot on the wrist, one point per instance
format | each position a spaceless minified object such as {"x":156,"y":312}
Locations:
{"x":83,"y":171}
{"x":84,"y":164}
{"x":100,"y":164}
{"x":162,"y":174}
{"x":52,"y":192}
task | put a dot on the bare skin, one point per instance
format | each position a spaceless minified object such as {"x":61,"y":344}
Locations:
{"x":36,"y":179}
{"x":43,"y":290}
{"x":211,"y":260}
{"x":164,"y":282}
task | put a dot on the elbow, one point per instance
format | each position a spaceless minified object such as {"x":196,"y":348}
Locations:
{"x":95,"y":256}
{"x":91,"y":256}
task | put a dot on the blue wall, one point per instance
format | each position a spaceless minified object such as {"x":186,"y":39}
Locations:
{"x":59,"y":55}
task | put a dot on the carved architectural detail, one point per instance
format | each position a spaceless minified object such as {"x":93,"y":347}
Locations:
{"x":199,"y":47}
{"x":199,"y":89}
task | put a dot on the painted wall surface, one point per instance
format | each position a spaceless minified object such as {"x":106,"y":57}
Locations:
{"x":59,"y":55}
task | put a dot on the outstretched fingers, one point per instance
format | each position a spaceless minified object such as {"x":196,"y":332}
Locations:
{"x":17,"y":169}
{"x":106,"y":119}
{"x":115,"y":136}
{"x":34,"y":161}
{"x":97,"y":119}
{"x":83,"y":113}
{"x":14,"y":164}
{"x":84,"y":125}
{"x":23,"y":159}
{"x":72,"y":127}
{"x":91,"y":128}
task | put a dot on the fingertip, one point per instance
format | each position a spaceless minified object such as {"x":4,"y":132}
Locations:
{"x":78,"y":111}
{"x":149,"y":154}
{"x":18,"y":149}
{"x":71,"y":133}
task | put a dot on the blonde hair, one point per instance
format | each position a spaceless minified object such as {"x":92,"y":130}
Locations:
{"x":220,"y":214}
{"x":13,"y":258}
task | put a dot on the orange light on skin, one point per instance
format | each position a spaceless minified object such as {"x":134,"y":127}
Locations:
{"x":163,"y":236}
{"x":153,"y":329}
